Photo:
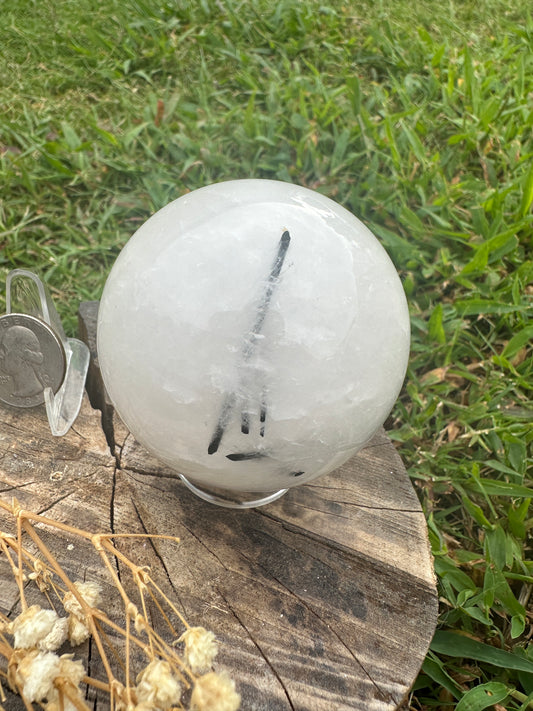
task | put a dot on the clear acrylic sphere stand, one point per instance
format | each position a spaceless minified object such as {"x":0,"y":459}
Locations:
{"x":27,"y":295}
{"x":232,"y":499}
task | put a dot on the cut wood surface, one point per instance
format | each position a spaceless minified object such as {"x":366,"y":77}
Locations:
{"x":324,"y":600}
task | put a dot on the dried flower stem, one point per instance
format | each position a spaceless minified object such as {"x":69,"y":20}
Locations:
{"x":66,"y":688}
{"x":14,"y":569}
{"x":140,"y":575}
{"x":159,"y":684}
{"x":19,"y":578}
{"x":64,"y":577}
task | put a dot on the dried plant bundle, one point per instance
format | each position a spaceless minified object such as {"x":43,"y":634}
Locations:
{"x":143,"y":669}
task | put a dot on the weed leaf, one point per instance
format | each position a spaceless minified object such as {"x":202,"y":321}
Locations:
{"x":483,"y":696}
{"x":454,"y":644}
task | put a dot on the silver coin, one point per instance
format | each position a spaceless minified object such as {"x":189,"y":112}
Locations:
{"x":32,"y":358}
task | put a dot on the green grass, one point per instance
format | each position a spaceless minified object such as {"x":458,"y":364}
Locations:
{"x":420,"y":122}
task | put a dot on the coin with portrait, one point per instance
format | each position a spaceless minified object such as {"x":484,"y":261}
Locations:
{"x":32,"y":358}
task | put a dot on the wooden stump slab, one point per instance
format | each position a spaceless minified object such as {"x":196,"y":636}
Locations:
{"x":324,"y":600}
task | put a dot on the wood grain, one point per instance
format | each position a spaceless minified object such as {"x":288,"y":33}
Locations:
{"x":324,"y":600}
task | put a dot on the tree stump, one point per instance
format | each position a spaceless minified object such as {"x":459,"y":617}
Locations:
{"x":324,"y":600}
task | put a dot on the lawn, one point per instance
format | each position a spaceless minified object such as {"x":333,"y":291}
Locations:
{"x":416,"y":117}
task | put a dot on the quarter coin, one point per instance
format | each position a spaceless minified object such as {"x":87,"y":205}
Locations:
{"x":32,"y":358}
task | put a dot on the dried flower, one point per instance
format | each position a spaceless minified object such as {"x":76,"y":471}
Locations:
{"x":35,"y":627}
{"x":200,"y":649}
{"x":72,"y":670}
{"x":35,"y":673}
{"x":215,"y":692}
{"x":71,"y":673}
{"x":138,"y":620}
{"x":41,"y":676}
{"x":41,"y":576}
{"x":56,"y":637}
{"x":89,"y":591}
{"x":157,"y":687}
{"x":78,"y":631}
{"x":78,"y":624}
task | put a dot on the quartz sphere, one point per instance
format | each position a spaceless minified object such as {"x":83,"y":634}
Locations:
{"x":253,"y":335}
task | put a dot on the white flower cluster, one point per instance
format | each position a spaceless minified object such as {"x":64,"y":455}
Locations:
{"x":78,"y":624}
{"x":157,"y":688}
{"x":46,"y":677}
{"x":215,"y":692}
{"x":40,"y":675}
{"x":35,"y":670}
{"x":39,"y":628}
{"x":200,"y":649}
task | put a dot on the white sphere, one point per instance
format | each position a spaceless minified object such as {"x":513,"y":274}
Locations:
{"x":253,"y":335}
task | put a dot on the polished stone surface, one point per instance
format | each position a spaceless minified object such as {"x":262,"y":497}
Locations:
{"x":253,"y":335}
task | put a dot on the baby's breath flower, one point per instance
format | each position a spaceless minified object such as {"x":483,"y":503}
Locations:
{"x":71,"y":669}
{"x":71,"y":673}
{"x":41,"y":576}
{"x":89,"y":591}
{"x":200,"y":649}
{"x":140,"y":624}
{"x":35,"y":674}
{"x":78,"y":631}
{"x":35,"y":627}
{"x":132,"y":610}
{"x":39,"y":676}
{"x":138,"y":620}
{"x":78,"y":625}
{"x":215,"y":692}
{"x":57,"y":635}
{"x":157,"y":686}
